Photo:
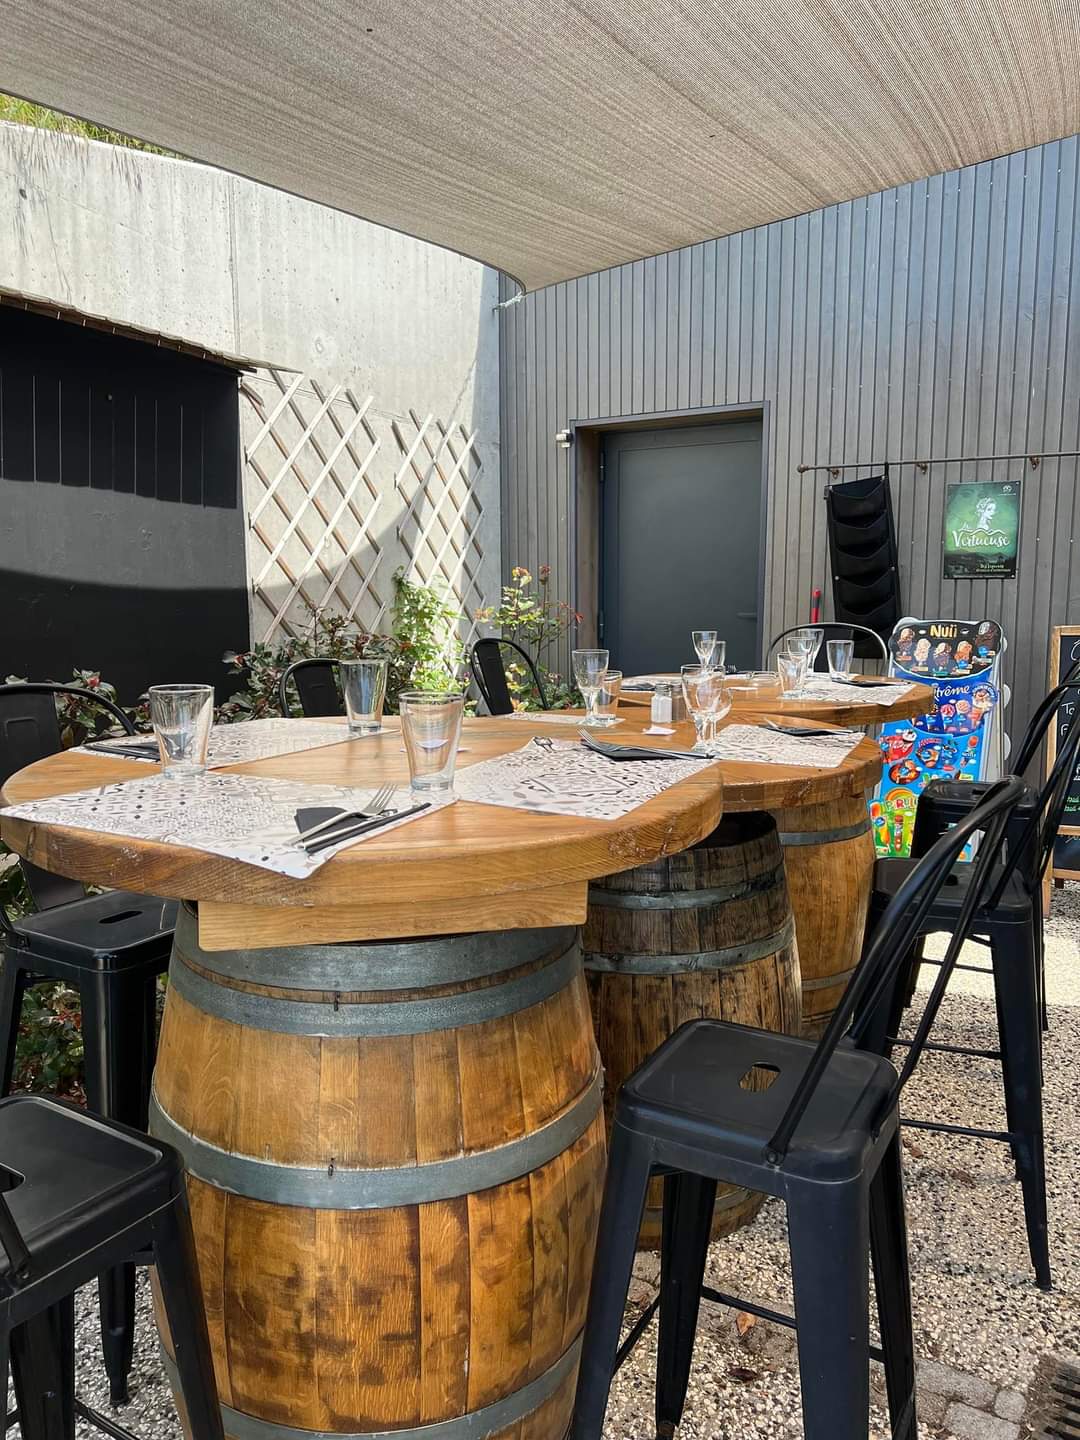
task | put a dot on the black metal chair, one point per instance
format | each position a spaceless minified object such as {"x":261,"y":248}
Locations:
{"x":317,"y":688}
{"x":110,"y":948}
{"x":815,"y":1125}
{"x":943,"y":802}
{"x":489,"y":674}
{"x":868,"y":643}
{"x":84,"y":1195}
{"x":1008,"y":919}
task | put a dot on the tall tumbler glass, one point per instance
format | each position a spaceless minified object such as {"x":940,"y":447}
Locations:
{"x":431,"y":729}
{"x":182,"y":716}
{"x":840,"y":653}
{"x":364,"y":685}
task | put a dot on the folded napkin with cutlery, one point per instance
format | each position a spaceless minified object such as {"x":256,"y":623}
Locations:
{"x":136,"y":748}
{"x":321,"y":826}
{"x":634,"y":752}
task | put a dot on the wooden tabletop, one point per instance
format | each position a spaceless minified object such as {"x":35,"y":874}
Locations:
{"x":918,"y":702}
{"x":466,"y":867}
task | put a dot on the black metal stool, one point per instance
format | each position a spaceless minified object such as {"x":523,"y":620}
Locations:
{"x":943,"y":802}
{"x":1008,"y":918}
{"x":814,"y":1125}
{"x":83,"y":1196}
{"x":111,"y":949}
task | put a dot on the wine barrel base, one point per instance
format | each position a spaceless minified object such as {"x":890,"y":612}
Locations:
{"x":395,"y":1151}
{"x":705,"y":933}
{"x":829,"y":858}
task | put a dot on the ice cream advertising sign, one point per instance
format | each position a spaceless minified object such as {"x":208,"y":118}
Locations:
{"x":958,"y":739}
{"x":982,"y":529}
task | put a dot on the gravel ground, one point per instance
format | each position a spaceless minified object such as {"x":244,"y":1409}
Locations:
{"x":976,"y":1306}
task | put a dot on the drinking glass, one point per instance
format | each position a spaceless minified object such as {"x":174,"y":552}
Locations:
{"x":364,"y":685}
{"x":791,"y":670}
{"x":840,"y":653}
{"x":590,"y":667}
{"x":182,"y":716}
{"x":607,"y":698}
{"x":431,"y":729}
{"x":801,"y":643}
{"x":708,"y":699}
{"x":816,"y":634}
{"x":705,"y":645}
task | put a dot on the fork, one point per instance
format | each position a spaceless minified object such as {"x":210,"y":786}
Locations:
{"x":377,"y":806}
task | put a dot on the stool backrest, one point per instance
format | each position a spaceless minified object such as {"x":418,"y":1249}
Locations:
{"x":30,"y":731}
{"x":1042,"y":719}
{"x":1040,"y":830}
{"x":893,"y":937}
{"x":317,"y":687}
{"x":488,"y":666}
{"x":868,"y":643}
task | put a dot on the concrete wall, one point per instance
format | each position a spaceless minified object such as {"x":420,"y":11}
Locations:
{"x":247,"y":273}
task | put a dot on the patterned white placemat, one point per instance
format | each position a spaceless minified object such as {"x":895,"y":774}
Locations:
{"x":554,"y":717}
{"x":757,"y":745}
{"x":242,"y":817}
{"x":252,"y":740}
{"x":561,"y":777}
{"x":840,"y":694}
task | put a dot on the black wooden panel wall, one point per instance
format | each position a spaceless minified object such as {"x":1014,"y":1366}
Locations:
{"x":121,"y":522}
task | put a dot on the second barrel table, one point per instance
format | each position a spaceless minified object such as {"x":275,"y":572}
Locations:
{"x":708,"y":931}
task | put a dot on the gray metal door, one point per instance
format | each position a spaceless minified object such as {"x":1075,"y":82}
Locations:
{"x":681,"y":543}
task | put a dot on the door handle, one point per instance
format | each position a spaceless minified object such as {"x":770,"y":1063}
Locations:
{"x":746,"y":614}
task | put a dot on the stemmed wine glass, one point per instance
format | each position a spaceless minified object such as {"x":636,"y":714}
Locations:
{"x":590,"y":667}
{"x":816,"y":634}
{"x":708,"y":699}
{"x":706,"y":645}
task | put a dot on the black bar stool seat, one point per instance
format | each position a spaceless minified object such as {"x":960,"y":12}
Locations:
{"x":118,"y":930}
{"x":690,"y":1092}
{"x":83,"y":1195}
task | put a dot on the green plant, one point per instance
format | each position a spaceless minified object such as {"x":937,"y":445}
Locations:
{"x":426,"y":632}
{"x":527,"y":614}
{"x":24,"y":112}
{"x":49,"y":1050}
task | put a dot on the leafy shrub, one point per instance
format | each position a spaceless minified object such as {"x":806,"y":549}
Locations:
{"x":527,"y":615}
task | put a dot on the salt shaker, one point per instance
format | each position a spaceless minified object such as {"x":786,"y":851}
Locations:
{"x":662,"y":703}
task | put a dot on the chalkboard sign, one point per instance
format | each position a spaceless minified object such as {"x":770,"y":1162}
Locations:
{"x":1064,"y":653}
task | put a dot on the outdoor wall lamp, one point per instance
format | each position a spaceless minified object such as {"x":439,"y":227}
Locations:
{"x":564,"y":439}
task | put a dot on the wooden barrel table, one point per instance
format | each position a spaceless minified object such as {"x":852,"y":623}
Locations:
{"x":385,"y":1083}
{"x":707,"y":932}
{"x":868,"y":711}
{"x":405,"y":1166}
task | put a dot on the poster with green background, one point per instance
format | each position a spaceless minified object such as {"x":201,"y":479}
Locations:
{"x":982,"y":529}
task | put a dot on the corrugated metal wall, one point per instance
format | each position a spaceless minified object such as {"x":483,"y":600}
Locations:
{"x":936,"y":319}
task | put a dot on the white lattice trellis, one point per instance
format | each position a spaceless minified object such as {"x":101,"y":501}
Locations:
{"x":339,"y":496}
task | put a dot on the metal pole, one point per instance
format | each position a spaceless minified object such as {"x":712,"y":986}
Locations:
{"x":1033,"y":460}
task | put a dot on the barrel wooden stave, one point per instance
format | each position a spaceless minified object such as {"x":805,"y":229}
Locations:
{"x":355,"y":1320}
{"x":829,"y":858}
{"x":731,"y":957}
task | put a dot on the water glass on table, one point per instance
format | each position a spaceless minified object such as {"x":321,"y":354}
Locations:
{"x":182,"y":716}
{"x":431,"y":729}
{"x":607,"y":698}
{"x":363,"y":683}
{"x":710,"y":651}
{"x":840,"y":653}
{"x":590,"y":667}
{"x":791,"y":668}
